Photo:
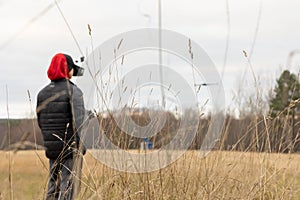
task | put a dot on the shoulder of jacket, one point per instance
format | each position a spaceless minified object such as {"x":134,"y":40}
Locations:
{"x":76,"y":89}
{"x":45,"y":88}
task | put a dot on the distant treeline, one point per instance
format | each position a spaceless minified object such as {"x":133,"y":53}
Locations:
{"x":251,"y":133}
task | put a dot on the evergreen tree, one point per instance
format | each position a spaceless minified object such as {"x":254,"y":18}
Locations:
{"x":285,"y":106}
{"x":287,"y":95}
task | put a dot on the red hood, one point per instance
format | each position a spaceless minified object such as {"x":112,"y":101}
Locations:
{"x":58,"y":68}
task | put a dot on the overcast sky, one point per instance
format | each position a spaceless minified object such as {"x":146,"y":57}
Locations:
{"x":24,"y":59}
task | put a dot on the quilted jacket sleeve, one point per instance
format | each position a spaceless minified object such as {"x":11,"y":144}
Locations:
{"x":78,"y":108}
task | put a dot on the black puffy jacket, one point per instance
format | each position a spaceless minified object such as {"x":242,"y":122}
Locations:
{"x":60,"y":112}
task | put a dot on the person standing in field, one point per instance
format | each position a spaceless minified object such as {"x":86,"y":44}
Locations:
{"x":60,"y":114}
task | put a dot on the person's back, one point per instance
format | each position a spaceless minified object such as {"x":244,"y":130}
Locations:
{"x":60,"y":112}
{"x":55,"y":118}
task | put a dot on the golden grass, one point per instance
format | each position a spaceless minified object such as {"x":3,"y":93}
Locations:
{"x":221,"y":175}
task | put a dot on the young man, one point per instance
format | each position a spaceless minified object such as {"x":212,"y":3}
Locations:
{"x":60,"y":113}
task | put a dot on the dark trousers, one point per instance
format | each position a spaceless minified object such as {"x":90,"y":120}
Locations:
{"x":61,"y":180}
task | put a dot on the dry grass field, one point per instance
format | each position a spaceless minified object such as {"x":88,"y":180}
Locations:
{"x":221,"y":175}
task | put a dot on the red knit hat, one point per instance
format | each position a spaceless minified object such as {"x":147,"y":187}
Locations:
{"x":58,"y":68}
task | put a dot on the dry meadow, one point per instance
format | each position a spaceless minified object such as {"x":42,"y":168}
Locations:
{"x":220,"y":175}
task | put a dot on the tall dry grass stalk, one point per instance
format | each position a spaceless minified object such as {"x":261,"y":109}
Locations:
{"x":11,"y":196}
